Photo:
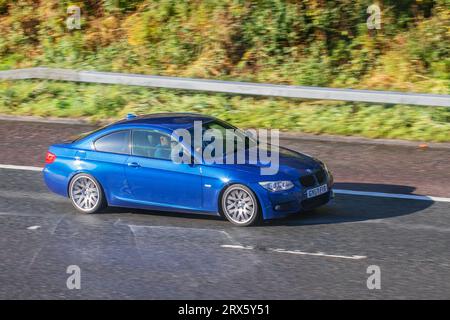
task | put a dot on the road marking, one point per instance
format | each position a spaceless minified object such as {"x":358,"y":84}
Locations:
{"x":27,"y":168}
{"x":391,"y":195}
{"x":237,"y":247}
{"x":337,"y":191}
{"x":317,"y":254}
{"x":33,"y":227}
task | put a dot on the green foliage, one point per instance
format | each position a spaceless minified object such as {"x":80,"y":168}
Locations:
{"x":107,"y":103}
{"x":308,"y":42}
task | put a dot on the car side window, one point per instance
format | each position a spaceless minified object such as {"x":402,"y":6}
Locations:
{"x":116,"y":142}
{"x":152,"y":144}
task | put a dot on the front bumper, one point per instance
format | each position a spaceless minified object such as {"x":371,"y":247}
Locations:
{"x":281,"y":204}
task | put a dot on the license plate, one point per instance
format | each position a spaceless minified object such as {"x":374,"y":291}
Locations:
{"x":311,"y":193}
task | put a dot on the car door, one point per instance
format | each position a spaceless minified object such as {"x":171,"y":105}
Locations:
{"x":157,"y":180}
{"x":107,"y":163}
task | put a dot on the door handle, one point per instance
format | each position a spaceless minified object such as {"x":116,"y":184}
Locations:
{"x":133,"y":164}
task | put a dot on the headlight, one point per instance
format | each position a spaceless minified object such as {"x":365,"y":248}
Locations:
{"x":274,"y":186}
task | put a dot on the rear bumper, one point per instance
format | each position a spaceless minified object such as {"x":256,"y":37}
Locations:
{"x":56,"y":180}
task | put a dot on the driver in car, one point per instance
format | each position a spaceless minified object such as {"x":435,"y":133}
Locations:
{"x":163,"y":148}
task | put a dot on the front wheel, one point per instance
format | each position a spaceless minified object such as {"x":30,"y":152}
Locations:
{"x":86,"y":193}
{"x":240,"y":206}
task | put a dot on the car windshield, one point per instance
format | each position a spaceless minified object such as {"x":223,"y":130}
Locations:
{"x":231,"y":138}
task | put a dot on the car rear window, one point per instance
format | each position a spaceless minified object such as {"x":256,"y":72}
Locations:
{"x":116,"y":142}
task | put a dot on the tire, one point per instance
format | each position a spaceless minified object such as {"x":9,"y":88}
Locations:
{"x":86,"y":194}
{"x":240,"y":206}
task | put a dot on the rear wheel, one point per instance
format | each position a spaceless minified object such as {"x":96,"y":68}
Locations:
{"x":240,"y":206}
{"x":86,"y":193}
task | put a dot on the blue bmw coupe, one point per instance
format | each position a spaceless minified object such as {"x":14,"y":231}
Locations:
{"x":135,"y":163}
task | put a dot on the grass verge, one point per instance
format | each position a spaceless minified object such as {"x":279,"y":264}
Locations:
{"x":109,"y":102}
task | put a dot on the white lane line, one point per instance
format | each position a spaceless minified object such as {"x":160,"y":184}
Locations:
{"x":33,"y":227}
{"x":237,"y":247}
{"x":391,"y":195}
{"x":317,"y":254}
{"x":27,"y":168}
{"x":337,"y":191}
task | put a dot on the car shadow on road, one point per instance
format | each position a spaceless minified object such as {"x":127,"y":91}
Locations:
{"x":375,"y":187}
{"x":162,"y":214}
{"x":344,"y":208}
{"x":352,"y":208}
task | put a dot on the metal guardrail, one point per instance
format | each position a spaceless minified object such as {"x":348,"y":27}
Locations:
{"x":234,"y":87}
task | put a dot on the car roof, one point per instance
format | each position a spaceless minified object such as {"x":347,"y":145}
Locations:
{"x":167,"y":120}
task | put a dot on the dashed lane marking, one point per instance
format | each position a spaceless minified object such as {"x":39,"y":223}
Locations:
{"x":297,"y":252}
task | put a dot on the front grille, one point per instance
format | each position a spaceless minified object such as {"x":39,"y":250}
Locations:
{"x":315,"y":202}
{"x":321,"y":176}
{"x":308,"y":181}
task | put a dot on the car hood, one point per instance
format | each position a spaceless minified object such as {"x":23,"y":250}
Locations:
{"x":290,"y":162}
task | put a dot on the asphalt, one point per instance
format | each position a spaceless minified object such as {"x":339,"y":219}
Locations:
{"x":324,"y":254}
{"x":153,"y":255}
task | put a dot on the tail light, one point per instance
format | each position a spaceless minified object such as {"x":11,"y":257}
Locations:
{"x":50,"y":157}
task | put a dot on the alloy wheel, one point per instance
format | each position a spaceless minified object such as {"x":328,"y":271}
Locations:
{"x":239,"y":205}
{"x":85,"y":193}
